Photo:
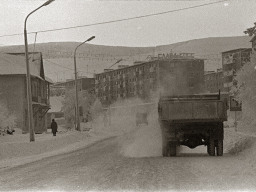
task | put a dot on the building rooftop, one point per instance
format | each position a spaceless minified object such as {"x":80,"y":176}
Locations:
{"x":49,"y":80}
{"x":16,"y":65}
{"x":151,"y":61}
{"x":240,"y":49}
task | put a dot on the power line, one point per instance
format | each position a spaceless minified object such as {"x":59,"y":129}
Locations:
{"x":58,"y":64}
{"x":119,"y":20}
{"x":16,"y":34}
{"x":132,"y":18}
{"x":65,"y":67}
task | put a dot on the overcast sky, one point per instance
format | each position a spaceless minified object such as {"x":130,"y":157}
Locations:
{"x":228,"y":18}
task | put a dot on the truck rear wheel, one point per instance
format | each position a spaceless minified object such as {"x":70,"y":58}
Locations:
{"x":211,"y":147}
{"x":172,"y":150}
{"x":164,"y":128}
{"x":164,"y":146}
{"x":219,"y":147}
{"x":164,"y":149}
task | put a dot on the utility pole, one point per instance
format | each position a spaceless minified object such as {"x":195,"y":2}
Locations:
{"x":29,"y":96}
{"x":77,"y":119}
{"x":28,"y":77}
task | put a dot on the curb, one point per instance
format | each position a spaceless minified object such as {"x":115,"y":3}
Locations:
{"x":19,"y":161}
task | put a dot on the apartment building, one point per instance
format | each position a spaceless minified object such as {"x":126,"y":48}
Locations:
{"x":173,"y":75}
{"x":232,"y":61}
{"x":83,"y":84}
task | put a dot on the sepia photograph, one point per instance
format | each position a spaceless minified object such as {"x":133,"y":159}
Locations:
{"x":119,"y":95}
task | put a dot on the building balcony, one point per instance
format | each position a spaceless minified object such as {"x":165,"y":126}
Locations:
{"x":39,"y":99}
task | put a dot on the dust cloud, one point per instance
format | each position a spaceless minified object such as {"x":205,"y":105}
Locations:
{"x":144,"y":141}
{"x":134,"y":140}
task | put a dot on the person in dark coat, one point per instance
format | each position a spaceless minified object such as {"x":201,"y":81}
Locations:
{"x":54,"y":127}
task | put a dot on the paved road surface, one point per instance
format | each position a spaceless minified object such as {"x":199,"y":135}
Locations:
{"x":101,"y":167}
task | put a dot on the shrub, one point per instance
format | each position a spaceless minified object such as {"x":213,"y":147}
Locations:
{"x":246,"y":93}
{"x":7,"y":119}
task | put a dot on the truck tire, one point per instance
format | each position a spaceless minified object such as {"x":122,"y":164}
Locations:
{"x":164,"y":149}
{"x":172,"y":150}
{"x":164,"y":146}
{"x":211,"y":147}
{"x":164,"y":128}
{"x":219,"y":147}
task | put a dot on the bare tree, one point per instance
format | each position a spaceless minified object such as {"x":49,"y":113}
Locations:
{"x":86,"y":105}
{"x":245,"y":92}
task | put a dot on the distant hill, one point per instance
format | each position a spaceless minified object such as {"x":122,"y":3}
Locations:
{"x":58,"y":56}
{"x":211,"y":45}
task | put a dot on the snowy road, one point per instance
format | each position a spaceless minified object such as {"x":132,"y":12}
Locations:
{"x":102,"y":167}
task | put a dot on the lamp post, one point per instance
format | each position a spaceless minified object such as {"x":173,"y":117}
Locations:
{"x":28,"y":83}
{"x":77,"y":120}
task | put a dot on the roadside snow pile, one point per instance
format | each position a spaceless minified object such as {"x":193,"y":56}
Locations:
{"x":19,"y":145}
{"x":236,"y":142}
{"x":243,"y":147}
{"x":17,"y":150}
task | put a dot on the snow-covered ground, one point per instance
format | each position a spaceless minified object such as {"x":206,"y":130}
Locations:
{"x":16,"y":149}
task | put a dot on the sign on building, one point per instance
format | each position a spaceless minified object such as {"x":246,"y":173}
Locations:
{"x":235,"y":105}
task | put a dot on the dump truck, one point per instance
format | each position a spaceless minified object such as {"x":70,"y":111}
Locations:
{"x":192,"y":120}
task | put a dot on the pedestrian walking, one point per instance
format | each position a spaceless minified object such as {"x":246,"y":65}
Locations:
{"x":54,"y":127}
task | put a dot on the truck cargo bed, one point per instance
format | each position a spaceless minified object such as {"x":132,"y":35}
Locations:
{"x":192,"y":108}
{"x":192,"y":120}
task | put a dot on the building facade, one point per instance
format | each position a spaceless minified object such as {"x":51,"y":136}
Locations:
{"x":214,"y":81}
{"x":83,"y":84}
{"x":13,"y":89}
{"x":232,"y":61}
{"x":175,"y":75}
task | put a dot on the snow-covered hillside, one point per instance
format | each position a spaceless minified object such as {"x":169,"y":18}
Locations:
{"x":58,"y":56}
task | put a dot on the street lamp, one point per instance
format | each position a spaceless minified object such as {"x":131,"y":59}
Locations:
{"x":77,"y":121}
{"x":29,"y":97}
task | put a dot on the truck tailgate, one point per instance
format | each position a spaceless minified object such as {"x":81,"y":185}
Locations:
{"x":192,"y":110}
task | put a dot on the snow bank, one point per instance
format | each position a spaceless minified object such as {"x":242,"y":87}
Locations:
{"x":242,"y":146}
{"x":20,"y":145}
{"x":17,"y":150}
{"x":236,"y":142}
